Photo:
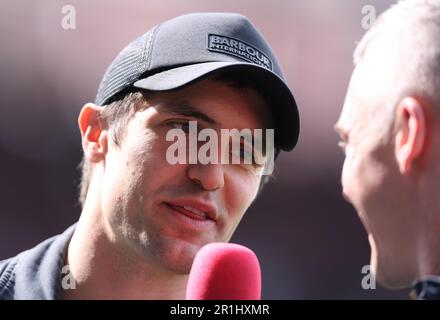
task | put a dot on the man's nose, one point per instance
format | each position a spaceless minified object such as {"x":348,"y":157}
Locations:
{"x":209,"y":176}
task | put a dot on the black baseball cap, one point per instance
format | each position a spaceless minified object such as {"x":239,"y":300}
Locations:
{"x":188,"y":48}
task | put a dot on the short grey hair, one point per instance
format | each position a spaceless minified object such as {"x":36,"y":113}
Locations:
{"x":411,"y":29}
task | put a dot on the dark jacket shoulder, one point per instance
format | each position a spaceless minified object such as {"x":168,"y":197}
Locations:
{"x":36,"y":273}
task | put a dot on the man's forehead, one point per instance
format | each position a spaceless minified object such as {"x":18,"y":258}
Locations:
{"x":208,"y":101}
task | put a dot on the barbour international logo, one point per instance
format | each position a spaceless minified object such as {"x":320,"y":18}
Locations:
{"x":239,"y":49}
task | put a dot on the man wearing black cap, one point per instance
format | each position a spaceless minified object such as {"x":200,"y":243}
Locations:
{"x":144,"y":218}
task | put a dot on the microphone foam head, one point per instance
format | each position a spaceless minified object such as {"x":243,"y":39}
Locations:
{"x":224,"y":271}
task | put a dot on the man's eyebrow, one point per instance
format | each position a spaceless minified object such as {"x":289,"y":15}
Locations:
{"x":184,"y":108}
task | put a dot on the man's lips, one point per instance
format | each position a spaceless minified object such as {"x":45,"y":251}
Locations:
{"x":194,"y":209}
{"x":190,"y":212}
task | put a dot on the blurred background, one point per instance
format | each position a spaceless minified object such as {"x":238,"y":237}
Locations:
{"x":310,"y":243}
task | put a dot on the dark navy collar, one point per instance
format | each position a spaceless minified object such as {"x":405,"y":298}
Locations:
{"x":427,"y":288}
{"x":36,"y":273}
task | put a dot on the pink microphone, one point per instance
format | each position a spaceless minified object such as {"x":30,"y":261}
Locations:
{"x":224,"y":271}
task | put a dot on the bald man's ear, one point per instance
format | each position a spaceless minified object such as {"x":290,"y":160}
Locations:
{"x":93,"y":133}
{"x":411,"y":133}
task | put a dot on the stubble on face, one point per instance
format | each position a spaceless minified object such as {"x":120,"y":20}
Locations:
{"x":143,"y":179}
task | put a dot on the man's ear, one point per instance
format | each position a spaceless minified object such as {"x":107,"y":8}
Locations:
{"x":411,"y":133}
{"x":93,"y":133}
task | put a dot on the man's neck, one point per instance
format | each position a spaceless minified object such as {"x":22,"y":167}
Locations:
{"x":101,"y":270}
{"x":429,"y":238}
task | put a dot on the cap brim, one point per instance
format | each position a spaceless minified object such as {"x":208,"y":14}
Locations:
{"x":279,"y":96}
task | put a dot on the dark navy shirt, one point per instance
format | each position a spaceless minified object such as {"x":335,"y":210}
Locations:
{"x":428,"y":288}
{"x":36,"y":273}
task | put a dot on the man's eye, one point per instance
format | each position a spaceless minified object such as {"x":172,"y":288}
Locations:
{"x":182,"y":125}
{"x":246,"y":153}
{"x":243,"y":153}
{"x":246,"y":156}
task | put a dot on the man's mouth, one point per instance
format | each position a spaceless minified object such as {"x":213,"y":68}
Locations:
{"x":190,"y":212}
{"x":194,"y":209}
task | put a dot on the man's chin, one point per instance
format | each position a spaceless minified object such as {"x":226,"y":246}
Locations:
{"x":387,"y":274}
{"x":392,"y":280}
{"x":178,"y":256}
